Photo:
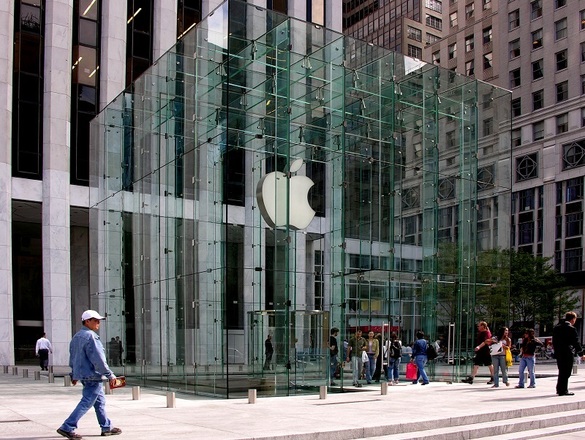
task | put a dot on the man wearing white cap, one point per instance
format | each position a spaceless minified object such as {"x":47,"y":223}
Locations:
{"x":87,"y":360}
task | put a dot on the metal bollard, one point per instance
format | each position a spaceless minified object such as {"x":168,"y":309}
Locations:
{"x":25,"y":372}
{"x":51,"y":378}
{"x":107,"y":388}
{"x":251,"y":395}
{"x":575,"y":368}
{"x":135,"y":393}
{"x":67,"y":380}
{"x":37,"y":375}
{"x":15,"y":371}
{"x":5,"y":369}
{"x":323,"y":392}
{"x":171,"y":401}
{"x":51,"y":369}
{"x":384,"y":388}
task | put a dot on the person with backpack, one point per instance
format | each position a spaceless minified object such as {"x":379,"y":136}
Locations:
{"x":419,"y":357}
{"x":394,"y":354}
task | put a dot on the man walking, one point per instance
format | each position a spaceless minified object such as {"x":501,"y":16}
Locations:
{"x":356,"y":346}
{"x":333,"y":351}
{"x":566,"y":344}
{"x":87,"y":360}
{"x":42,"y":350}
{"x":268,"y":352}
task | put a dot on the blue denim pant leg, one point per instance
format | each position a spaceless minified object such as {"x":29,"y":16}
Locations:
{"x":92,"y":395}
{"x":396,"y":369}
{"x":357,"y":364}
{"x":332,"y":367}
{"x":499,"y":363}
{"x":420,"y":361}
{"x":370,"y":368}
{"x":530,"y":364}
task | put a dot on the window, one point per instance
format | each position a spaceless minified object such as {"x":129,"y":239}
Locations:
{"x":538,"y":131}
{"x":436,"y":57}
{"x":582,"y":52}
{"x":538,"y":100}
{"x":574,"y":155}
{"x":561,"y":29}
{"x":537,"y":69}
{"x":514,"y":48}
{"x":469,"y":44}
{"x":470,"y":68}
{"x":487,"y":4}
{"x":453,"y":19}
{"x":487,"y":35}
{"x":562,"y":91}
{"x":488,"y":126}
{"x":469,"y":9}
{"x":516,"y":137}
{"x":434,"y":5}
{"x":516,"y":107}
{"x":526,"y":167}
{"x":452,"y":51}
{"x":434,"y":22}
{"x":561,"y":59}
{"x":560,"y":3}
{"x":432,"y":38}
{"x":513,"y":19}
{"x":515,"y":80}
{"x":562,"y":123}
{"x":414,"y":52}
{"x":414,"y":33}
{"x":537,"y":39}
{"x":582,"y":14}
{"x":582,"y":84}
{"x":487,"y":60}
{"x":535,"y":9}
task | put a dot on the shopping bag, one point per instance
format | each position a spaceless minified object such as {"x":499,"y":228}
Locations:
{"x":411,"y":371}
{"x":509,"y":360}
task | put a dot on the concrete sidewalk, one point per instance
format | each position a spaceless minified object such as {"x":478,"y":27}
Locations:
{"x":32,"y":409}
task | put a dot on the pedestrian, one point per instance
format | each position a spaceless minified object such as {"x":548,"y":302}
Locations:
{"x":566,"y":345}
{"x":355,"y":348}
{"x":500,"y":344}
{"x":378,"y":369}
{"x":113,"y":352}
{"x":373,"y":351}
{"x":42,"y":350}
{"x":268,"y":352}
{"x":394,"y":350}
{"x":87,"y":359}
{"x":482,"y":352}
{"x":419,"y":357}
{"x":333,"y":351}
{"x":120,"y":350}
{"x":527,"y":357}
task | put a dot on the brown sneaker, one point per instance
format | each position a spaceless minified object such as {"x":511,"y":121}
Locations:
{"x":112,"y":431}
{"x":68,"y":434}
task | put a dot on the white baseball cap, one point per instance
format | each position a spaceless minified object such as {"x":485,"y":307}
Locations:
{"x":88,"y":314}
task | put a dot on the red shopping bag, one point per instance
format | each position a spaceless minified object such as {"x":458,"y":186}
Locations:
{"x":411,"y":371}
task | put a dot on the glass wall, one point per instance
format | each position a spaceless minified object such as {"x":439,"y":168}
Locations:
{"x":269,"y":177}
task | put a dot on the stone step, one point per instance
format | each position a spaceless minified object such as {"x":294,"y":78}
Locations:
{"x":544,"y":432}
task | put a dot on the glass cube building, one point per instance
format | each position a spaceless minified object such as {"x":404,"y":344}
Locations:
{"x":268,"y":176}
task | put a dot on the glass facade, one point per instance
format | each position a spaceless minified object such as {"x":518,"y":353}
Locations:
{"x":207,"y":170}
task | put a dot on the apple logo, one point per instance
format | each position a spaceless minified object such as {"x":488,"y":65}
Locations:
{"x":276,"y":188}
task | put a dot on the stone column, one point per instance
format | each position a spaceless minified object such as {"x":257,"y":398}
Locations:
{"x":6,"y":61}
{"x":56,"y":195}
{"x":165,"y":27}
{"x":113,"y":50}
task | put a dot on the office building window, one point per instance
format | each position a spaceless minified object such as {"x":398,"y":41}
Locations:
{"x":513,"y":19}
{"x":526,"y":167}
{"x":453,"y":19}
{"x":27,"y":94}
{"x":538,"y":100}
{"x":436,"y":58}
{"x":414,"y":33}
{"x":188,"y":15}
{"x":278,"y":6}
{"x":560,"y":3}
{"x":562,"y":123}
{"x":432,"y":38}
{"x":562,"y":91}
{"x":537,"y":39}
{"x":538,"y":130}
{"x":469,"y":10}
{"x":516,"y":137}
{"x":516,"y":107}
{"x":487,"y":4}
{"x":535,"y":9}
{"x":574,"y":155}
{"x":487,"y":35}
{"x":452,"y":51}
{"x":582,"y":18}
{"x":561,"y":59}
{"x":487,"y":60}
{"x":469,"y":44}
{"x":470,"y":68}
{"x":434,"y":5}
{"x":139,"y":38}
{"x":582,"y":84}
{"x":414,"y":52}
{"x":514,"y":48}
{"x":582,"y":52}
{"x":434,"y":22}
{"x":488,"y":126}
{"x":537,"y":69}
{"x":583,"y":117}
{"x":515,"y":78}
{"x":561,"y":29}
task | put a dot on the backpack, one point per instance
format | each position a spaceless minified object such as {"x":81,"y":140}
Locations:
{"x":431,"y":352}
{"x":395,"y":350}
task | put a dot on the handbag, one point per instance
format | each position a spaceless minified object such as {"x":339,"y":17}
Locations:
{"x":496,"y":348}
{"x":411,"y":371}
{"x":365,"y":357}
{"x":509,"y":360}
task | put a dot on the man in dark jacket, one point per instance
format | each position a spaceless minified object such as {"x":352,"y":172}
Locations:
{"x":566,"y":346}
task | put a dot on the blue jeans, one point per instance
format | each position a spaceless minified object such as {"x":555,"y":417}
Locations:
{"x":332,"y":367}
{"x":357,"y":364}
{"x":370,"y":367}
{"x":393,"y":368}
{"x":499,"y":363}
{"x":92,"y":395}
{"x":420,"y":361}
{"x":526,"y":362}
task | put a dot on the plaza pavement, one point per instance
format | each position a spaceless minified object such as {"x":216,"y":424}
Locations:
{"x":34,"y":409}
